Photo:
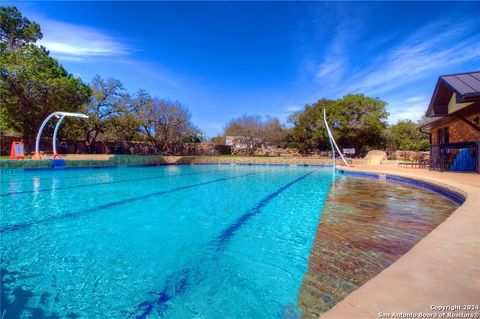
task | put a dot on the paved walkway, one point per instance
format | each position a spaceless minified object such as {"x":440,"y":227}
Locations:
{"x":442,"y":269}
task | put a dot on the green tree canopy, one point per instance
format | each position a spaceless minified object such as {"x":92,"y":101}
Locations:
{"x":16,"y":30}
{"x":32,"y":84}
{"x":405,"y":136}
{"x":125,"y":127}
{"x":308,"y":129}
{"x":356,"y":121}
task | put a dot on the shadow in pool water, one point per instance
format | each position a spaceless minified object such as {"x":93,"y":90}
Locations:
{"x":16,"y":300}
{"x":109,"y":205}
{"x":179,"y":282}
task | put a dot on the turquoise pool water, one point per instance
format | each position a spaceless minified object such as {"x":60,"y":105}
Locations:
{"x":203,"y":241}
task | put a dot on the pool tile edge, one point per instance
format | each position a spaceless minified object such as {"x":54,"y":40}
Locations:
{"x":454,"y":194}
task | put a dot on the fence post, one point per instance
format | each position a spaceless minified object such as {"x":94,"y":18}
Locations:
{"x":442,"y":158}
{"x":430,"y":158}
{"x":478,"y":157}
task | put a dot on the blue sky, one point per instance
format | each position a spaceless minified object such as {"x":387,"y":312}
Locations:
{"x":225,"y":59}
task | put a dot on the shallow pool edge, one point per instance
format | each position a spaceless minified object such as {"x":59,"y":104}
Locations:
{"x":454,"y":194}
{"x":441,"y":269}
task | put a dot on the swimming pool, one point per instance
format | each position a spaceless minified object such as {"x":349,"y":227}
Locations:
{"x":183,"y":241}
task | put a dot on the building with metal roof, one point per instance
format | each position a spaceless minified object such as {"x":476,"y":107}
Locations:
{"x":455,"y":133}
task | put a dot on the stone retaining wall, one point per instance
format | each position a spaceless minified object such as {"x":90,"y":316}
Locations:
{"x":256,"y":160}
{"x":118,"y":148}
{"x":406,"y":155}
{"x":93,"y":161}
{"x":123,"y":160}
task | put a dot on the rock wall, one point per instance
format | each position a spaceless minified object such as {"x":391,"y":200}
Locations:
{"x":407,"y":155}
{"x":118,"y":148}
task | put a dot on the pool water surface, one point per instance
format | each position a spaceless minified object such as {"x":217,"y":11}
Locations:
{"x":199,"y":241}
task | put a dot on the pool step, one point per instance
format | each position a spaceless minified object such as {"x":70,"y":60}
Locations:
{"x":58,"y":163}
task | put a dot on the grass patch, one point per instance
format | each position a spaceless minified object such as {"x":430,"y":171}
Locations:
{"x":6,"y":157}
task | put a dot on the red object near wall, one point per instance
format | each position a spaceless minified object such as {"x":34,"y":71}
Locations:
{"x":17,"y":152}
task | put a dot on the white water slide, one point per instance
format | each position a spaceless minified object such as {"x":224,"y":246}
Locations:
{"x":332,"y":141}
{"x":60,"y":116}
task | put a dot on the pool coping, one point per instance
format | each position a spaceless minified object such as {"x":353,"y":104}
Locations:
{"x":442,"y":269}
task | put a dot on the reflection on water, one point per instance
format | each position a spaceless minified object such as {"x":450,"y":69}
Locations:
{"x":366,"y":225}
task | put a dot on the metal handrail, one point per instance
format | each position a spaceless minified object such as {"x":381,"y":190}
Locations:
{"x":60,"y":115}
{"x":332,"y":140}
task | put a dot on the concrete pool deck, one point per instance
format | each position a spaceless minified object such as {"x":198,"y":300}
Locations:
{"x":442,"y":269}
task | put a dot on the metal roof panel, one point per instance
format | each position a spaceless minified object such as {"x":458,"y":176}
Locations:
{"x":471,"y":81}
{"x":466,"y":85}
{"x":457,"y":85}
{"x":476,"y":75}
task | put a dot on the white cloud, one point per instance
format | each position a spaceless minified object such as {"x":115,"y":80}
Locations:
{"x":413,"y":99}
{"x":412,"y":108}
{"x":68,"y":58}
{"x":333,"y":64}
{"x":421,"y":54}
{"x":330,"y":67}
{"x":74,"y":42}
{"x":395,"y":72}
{"x":325,"y":69}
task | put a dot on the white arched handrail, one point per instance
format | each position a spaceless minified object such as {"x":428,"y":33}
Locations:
{"x":332,"y":140}
{"x":54,"y":141}
{"x":60,"y":115}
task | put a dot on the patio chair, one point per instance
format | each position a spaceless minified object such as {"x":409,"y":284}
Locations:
{"x":423,"y":162}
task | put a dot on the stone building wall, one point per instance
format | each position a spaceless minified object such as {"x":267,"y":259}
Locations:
{"x":459,"y":131}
